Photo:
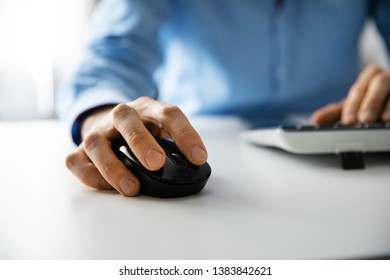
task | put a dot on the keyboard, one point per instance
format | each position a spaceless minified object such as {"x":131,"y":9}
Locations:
{"x":323,"y":139}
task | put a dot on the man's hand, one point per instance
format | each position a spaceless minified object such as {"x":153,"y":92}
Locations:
{"x":367,"y":101}
{"x":94,"y":162}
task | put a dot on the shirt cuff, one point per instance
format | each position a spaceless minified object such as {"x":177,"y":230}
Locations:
{"x":87,"y":102}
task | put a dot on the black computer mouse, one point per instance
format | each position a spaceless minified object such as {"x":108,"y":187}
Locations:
{"x":178,"y":177}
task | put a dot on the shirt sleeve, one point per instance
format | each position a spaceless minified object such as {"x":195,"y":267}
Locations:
{"x":122,"y":55}
{"x":380,"y":10}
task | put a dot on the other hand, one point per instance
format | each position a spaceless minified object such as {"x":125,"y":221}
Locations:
{"x":367,"y":101}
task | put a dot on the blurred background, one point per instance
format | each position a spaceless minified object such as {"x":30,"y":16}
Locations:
{"x":42,"y":40}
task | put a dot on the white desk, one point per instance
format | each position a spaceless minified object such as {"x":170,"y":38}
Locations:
{"x":258,"y":204}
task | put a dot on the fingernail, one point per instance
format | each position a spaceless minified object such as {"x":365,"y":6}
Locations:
{"x":153,"y":158}
{"x":386,"y":116}
{"x":367,"y":116}
{"x":127,"y":186}
{"x":198,"y":154}
{"x":349,"y":119}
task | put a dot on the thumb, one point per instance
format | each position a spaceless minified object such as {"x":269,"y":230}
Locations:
{"x":328,"y":114}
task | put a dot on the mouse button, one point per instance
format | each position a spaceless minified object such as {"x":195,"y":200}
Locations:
{"x":129,"y":154}
{"x":157,"y":173}
{"x":167,"y":144}
{"x":169,"y":147}
{"x":171,"y":170}
{"x":178,"y":159}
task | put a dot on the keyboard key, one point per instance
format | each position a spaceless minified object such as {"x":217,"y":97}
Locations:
{"x":335,"y":127}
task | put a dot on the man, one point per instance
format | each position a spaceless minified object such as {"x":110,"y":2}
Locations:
{"x":262,"y":60}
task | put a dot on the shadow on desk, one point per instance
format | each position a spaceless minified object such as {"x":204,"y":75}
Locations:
{"x":378,"y":257}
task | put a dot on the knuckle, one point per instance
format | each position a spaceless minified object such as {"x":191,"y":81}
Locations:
{"x":187,"y":137}
{"x":169,"y":112}
{"x":373,"y":68}
{"x":145,"y":98}
{"x":122,"y":111}
{"x":87,"y":176}
{"x":141,"y":102}
{"x":92,"y":140}
{"x":70,"y":160}
{"x":84,"y":172}
{"x":380,"y":79}
{"x":137,"y":136}
{"x":186,"y":133}
{"x":108,"y":169}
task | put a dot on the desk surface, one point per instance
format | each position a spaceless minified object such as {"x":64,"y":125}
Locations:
{"x":259,"y":204}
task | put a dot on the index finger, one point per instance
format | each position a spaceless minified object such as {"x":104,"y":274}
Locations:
{"x":129,"y":124}
{"x":172,"y":121}
{"x":356,"y":94}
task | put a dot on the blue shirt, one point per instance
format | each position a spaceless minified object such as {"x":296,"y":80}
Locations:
{"x":246,"y":57}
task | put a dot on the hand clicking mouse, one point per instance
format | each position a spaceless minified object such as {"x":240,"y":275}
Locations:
{"x":139,"y":123}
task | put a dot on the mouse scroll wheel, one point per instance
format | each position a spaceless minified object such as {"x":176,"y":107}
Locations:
{"x":178,"y":159}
